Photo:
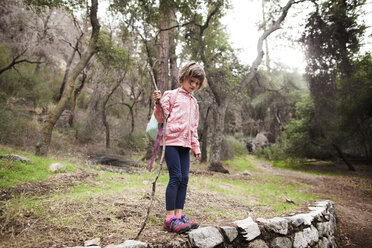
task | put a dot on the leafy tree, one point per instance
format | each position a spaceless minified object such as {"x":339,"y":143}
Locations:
{"x":43,"y":144}
{"x":331,"y":39}
{"x":220,"y":64}
{"x":355,"y":107}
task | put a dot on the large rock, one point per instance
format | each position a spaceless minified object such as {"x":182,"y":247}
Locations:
{"x":129,"y":244}
{"x":15,"y":157}
{"x":309,"y":236}
{"x":178,"y":243}
{"x":249,"y":228}
{"x":261,"y":140}
{"x":277,"y":224}
{"x":258,"y":243}
{"x":93,"y":242}
{"x":230,"y":232}
{"x":281,"y":242}
{"x":84,"y":247}
{"x":301,"y":219}
{"x":57,"y":167}
{"x":324,"y":229}
{"x":206,"y":237}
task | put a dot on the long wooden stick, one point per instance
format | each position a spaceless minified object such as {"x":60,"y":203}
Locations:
{"x":160,"y":165}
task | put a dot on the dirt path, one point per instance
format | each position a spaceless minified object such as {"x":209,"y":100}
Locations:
{"x":352,"y":194}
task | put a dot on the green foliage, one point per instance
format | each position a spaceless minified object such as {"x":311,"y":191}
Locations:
{"x":232,"y":147}
{"x":13,"y":123}
{"x":332,"y":40}
{"x":24,"y":85}
{"x":355,"y":106}
{"x":134,"y":142}
{"x":83,"y":100}
{"x":300,"y":139}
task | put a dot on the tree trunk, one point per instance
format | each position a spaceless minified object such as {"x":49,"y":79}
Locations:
{"x":43,"y":145}
{"x":163,"y":48}
{"x":90,"y":125}
{"x":172,"y":53}
{"x":131,"y":115}
{"x":104,"y":104}
{"x":266,"y":40}
{"x":204,"y":137}
{"x":76,"y":95}
{"x":68,"y":67}
{"x":339,"y":152}
{"x":215,"y":152}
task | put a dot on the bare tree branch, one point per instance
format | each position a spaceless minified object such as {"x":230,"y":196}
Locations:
{"x":16,"y":61}
{"x":275,"y":26}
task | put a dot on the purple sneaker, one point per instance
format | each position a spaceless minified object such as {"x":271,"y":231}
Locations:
{"x":194,"y":225}
{"x":177,"y":226}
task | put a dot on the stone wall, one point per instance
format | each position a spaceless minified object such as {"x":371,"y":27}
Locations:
{"x":315,"y":228}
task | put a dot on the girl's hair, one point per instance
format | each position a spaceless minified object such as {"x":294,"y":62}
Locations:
{"x":193,"y":70}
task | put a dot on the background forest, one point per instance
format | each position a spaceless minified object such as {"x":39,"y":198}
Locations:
{"x":71,"y":83}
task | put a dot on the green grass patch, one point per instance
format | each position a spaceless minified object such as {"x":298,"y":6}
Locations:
{"x":13,"y":173}
{"x":109,"y":183}
{"x":242,"y":163}
{"x":270,"y":191}
{"x":321,"y":168}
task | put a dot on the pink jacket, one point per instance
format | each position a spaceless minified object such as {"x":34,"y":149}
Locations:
{"x":182,"y":124}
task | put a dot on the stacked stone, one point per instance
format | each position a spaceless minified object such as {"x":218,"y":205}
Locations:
{"x":313,"y":229}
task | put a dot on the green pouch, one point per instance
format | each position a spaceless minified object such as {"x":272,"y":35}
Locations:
{"x":152,"y":128}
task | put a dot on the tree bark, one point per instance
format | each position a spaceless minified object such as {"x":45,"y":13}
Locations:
{"x":43,"y":145}
{"x":204,"y":138}
{"x":163,"y":48}
{"x":104,"y":104}
{"x":266,"y":41}
{"x":275,"y":26}
{"x":172,"y":53}
{"x":217,"y":137}
{"x":68,"y":66}
{"x":76,"y":95}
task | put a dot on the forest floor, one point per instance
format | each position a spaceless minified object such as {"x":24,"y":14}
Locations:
{"x":351,"y":193}
{"x":69,"y":208}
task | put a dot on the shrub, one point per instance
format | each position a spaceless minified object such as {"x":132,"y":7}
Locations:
{"x":232,"y":147}
{"x":134,"y":142}
{"x":12,"y":126}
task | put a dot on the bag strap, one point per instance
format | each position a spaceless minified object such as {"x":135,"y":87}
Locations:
{"x":173,"y":101}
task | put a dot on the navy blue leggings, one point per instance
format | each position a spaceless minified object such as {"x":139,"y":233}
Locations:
{"x":178,"y":163}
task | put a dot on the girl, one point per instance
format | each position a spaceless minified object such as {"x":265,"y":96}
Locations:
{"x":181,"y":135}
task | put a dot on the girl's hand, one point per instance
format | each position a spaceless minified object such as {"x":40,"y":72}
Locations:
{"x":156,"y":95}
{"x":197,"y":156}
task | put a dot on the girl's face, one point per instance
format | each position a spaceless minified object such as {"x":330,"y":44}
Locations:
{"x":191,"y":84}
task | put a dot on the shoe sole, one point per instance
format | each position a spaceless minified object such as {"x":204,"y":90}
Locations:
{"x":186,"y":229}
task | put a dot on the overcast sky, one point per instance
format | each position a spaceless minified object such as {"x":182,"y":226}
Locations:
{"x":241,"y":23}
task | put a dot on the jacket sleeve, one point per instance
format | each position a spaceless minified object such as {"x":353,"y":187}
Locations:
{"x":165,"y":101}
{"x":195,"y":147}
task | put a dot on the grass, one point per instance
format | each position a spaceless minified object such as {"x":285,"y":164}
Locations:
{"x":107,"y":204}
{"x":271,"y":191}
{"x":14,"y":173}
{"x":319,"y":168}
{"x":242,"y":163}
